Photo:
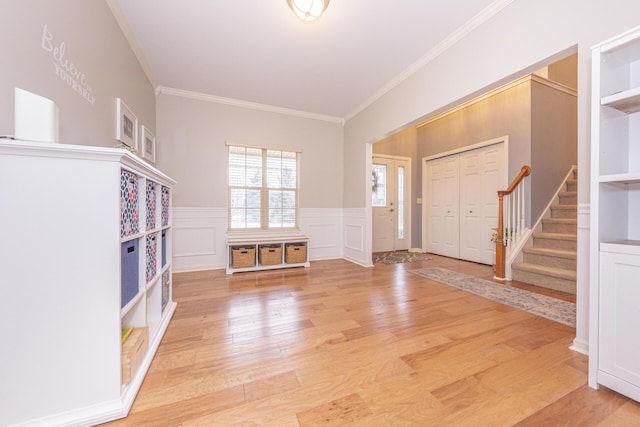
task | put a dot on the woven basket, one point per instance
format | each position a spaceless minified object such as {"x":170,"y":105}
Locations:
{"x":270,"y":255}
{"x":243,"y":257}
{"x":295,"y":254}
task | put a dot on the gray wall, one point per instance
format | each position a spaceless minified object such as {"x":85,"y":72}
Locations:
{"x":507,"y":112}
{"x":33,"y":35}
{"x":191,"y":144}
{"x":554,"y":142}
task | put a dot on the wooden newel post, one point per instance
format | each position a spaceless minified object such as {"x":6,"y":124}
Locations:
{"x":500,"y":247}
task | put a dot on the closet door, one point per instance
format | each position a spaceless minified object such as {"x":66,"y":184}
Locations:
{"x":462,"y":202}
{"x":443,"y":223}
{"x":482,"y":173}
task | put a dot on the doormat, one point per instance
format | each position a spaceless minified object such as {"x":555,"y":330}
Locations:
{"x":398,"y":257}
{"x":551,"y":308}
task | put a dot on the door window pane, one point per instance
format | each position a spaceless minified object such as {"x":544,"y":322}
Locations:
{"x":379,"y":185}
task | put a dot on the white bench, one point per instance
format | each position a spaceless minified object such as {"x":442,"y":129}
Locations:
{"x":266,"y":253}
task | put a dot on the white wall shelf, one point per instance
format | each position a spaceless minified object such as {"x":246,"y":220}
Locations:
{"x":61,"y":248}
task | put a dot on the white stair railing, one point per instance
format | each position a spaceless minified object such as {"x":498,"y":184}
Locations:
{"x":514,"y":214}
{"x":512,"y":229}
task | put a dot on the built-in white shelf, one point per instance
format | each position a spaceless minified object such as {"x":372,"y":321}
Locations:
{"x":614,"y":353}
{"x":621,"y":178}
{"x":627,"y":101}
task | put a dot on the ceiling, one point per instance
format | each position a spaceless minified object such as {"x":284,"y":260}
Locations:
{"x":257,"y":51}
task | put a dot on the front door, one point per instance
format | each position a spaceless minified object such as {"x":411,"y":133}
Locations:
{"x":391,"y":204}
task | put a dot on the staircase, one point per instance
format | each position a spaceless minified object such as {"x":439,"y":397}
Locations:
{"x":549,"y":258}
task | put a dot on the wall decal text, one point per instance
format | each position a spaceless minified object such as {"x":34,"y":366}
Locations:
{"x":65,"y":69}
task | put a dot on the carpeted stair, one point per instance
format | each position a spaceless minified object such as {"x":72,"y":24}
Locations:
{"x":551,"y":261}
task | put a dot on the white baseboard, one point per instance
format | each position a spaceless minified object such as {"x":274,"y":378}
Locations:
{"x":358,"y":262}
{"x":580,"y":346}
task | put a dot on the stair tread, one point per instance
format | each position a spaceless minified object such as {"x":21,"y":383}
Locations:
{"x":561,"y":220}
{"x":562,"y":253}
{"x":555,"y":236}
{"x":565,"y":206}
{"x":547,"y":271}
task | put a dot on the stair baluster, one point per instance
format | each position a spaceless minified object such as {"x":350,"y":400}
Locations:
{"x":514,"y":219}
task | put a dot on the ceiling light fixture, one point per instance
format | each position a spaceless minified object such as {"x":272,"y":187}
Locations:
{"x":308,"y":10}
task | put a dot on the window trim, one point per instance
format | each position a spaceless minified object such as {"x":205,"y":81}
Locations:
{"x":264,"y":193}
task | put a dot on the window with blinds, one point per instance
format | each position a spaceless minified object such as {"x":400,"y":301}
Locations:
{"x":263,"y":189}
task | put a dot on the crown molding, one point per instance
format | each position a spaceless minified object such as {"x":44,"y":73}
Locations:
{"x":163,"y":90}
{"x":482,"y":17}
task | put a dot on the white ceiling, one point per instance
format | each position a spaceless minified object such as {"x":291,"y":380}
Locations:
{"x":257,"y":51}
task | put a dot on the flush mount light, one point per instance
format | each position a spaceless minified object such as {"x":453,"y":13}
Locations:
{"x":308,"y":10}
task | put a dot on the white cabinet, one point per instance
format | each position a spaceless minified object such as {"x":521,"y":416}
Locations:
{"x":619,"y":356}
{"x":614,"y":355}
{"x":85,"y":250}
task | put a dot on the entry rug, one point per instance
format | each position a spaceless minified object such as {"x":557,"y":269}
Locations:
{"x":551,"y":308}
{"x":398,"y":257}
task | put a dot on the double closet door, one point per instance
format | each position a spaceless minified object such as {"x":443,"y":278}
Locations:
{"x":462,"y":202}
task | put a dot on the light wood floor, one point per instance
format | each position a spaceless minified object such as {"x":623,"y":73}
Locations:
{"x":337,"y":344}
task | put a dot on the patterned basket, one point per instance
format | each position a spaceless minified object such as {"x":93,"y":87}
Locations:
{"x":295,"y":253}
{"x":270,"y":254}
{"x":243,"y":257}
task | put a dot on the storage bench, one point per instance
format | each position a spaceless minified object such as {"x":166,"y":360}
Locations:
{"x":247,"y":254}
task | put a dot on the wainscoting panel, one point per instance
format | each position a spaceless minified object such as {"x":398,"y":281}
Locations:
{"x":355,"y":236}
{"x":324,"y":229}
{"x":199,"y":236}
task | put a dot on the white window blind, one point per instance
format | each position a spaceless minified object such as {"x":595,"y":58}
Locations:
{"x":263,"y":188}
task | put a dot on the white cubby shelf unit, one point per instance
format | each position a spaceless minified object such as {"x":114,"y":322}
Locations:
{"x":86,"y":251}
{"x":614,"y":341}
{"x":246,"y":253}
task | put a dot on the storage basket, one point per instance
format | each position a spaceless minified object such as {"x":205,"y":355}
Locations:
{"x":270,"y":254}
{"x":295,"y":253}
{"x":243,"y":257}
